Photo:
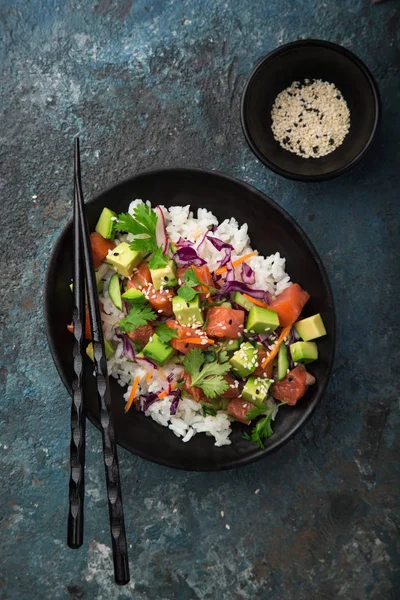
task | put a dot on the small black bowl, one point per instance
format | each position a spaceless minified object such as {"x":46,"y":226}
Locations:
{"x":310,"y":59}
{"x":271,"y":229}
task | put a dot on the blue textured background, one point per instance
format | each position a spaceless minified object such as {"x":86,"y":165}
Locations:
{"x":158,"y":83}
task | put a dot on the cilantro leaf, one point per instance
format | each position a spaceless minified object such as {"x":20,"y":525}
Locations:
{"x":158,"y":261}
{"x":125,"y":222}
{"x":258,"y":409}
{"x":143,"y":223}
{"x":262,"y":430}
{"x":137,"y":317}
{"x":263,"y":427}
{"x":190,"y":278}
{"x":214,"y":386}
{"x":207,"y":376}
{"x":208,"y":410}
{"x":193,"y":361}
{"x":209,"y":356}
{"x":145,"y":218}
{"x":187,"y":293}
{"x":145,"y":245}
{"x":223,"y":356}
{"x":165,"y":333}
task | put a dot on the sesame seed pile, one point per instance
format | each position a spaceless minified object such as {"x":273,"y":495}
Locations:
{"x":310,"y":119}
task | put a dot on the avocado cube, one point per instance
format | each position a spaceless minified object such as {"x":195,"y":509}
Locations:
{"x":245,"y":360}
{"x":188,"y":313}
{"x":304,"y":352}
{"x":228,"y":345}
{"x":165,"y":276}
{"x":105,"y":223}
{"x":239,"y":299}
{"x":114,"y":291}
{"x":255,"y":389}
{"x":108,"y":347}
{"x":123,"y":259}
{"x":158,"y":351}
{"x":283,"y":361}
{"x":310,"y":328}
{"x":262,"y":320}
{"x":133,"y":295}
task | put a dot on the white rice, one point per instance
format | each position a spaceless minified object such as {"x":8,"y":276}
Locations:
{"x":270,"y":275}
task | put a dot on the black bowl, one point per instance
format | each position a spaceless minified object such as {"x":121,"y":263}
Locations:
{"x":310,"y":59}
{"x":271,"y":229}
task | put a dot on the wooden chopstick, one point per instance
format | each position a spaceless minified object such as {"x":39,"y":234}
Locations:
{"x":78,"y":420}
{"x":113,"y":484}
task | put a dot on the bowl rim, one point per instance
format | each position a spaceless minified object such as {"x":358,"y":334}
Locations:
{"x":243,"y":108}
{"x":233,"y":463}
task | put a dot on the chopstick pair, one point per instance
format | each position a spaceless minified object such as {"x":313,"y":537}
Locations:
{"x":83,"y":271}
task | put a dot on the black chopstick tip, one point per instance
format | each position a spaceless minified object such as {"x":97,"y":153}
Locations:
{"x":74,"y":545}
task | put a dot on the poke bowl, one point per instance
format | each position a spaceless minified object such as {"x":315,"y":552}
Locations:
{"x":218,"y":318}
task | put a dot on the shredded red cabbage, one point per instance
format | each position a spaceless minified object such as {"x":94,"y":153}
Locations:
{"x":125,"y":307}
{"x":230,"y":275}
{"x":182,"y":243}
{"x":203,"y":239}
{"x":127,"y":344}
{"x":189,"y":256}
{"x":174,"y":404}
{"x":170,"y":377}
{"x":146,"y":360}
{"x":219,"y":244}
{"x":263,"y":339}
{"x":146,"y":400}
{"x":248,"y":274}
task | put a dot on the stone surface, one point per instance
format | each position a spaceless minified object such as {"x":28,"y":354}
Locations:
{"x":158,"y":83}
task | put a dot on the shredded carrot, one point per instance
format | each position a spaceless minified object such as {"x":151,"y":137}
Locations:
{"x":275,"y":349}
{"x":196,"y":340}
{"x":203,"y":287}
{"x":164,"y":393}
{"x":132,"y":394}
{"x":235,"y":263}
{"x":255,"y":301}
{"x":148,"y":377}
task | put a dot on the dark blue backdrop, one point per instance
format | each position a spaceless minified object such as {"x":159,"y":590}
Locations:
{"x":158,"y":83}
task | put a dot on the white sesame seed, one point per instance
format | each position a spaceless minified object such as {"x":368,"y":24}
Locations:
{"x":222,"y":513}
{"x":227,"y":526}
{"x":310,"y":119}
{"x":257,"y":491}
